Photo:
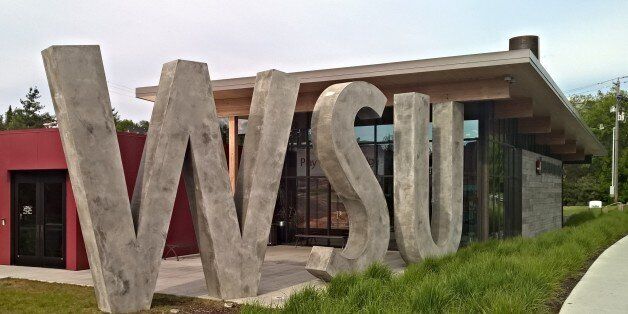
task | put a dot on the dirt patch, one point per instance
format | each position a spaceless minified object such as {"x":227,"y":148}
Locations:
{"x":164,"y":303}
{"x":567,"y":286}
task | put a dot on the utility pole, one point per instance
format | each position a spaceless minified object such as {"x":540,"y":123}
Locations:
{"x":615,"y":174}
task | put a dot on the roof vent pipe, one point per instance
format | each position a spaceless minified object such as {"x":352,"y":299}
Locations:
{"x":525,"y":42}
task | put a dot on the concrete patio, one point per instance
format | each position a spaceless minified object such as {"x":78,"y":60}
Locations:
{"x":283,"y":273}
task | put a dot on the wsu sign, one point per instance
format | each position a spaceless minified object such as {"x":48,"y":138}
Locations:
{"x":125,"y":239}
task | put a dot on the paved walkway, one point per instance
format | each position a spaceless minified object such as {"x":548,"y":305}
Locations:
{"x":604,"y":287}
{"x":283,"y":273}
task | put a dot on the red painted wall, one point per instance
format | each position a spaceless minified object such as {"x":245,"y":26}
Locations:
{"x":41,"y":150}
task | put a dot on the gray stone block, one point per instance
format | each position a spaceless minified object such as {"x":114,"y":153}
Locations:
{"x":417,"y":237}
{"x":351,"y":177}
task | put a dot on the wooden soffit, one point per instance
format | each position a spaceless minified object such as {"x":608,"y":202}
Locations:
{"x":570,"y":147}
{"x":554,"y":138}
{"x":577,"y":156}
{"x":535,"y":125}
{"x":522,"y":107}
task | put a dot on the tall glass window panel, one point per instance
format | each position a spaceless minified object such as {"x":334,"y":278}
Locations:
{"x":319,"y":204}
{"x":339,"y":217}
{"x":27,"y":213}
{"x":369,"y":154}
{"x":385,"y":155}
{"x":53,"y":220}
{"x":301,"y":210}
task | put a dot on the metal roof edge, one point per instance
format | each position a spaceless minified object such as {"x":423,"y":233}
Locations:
{"x":536,"y":64}
{"x":380,"y":69}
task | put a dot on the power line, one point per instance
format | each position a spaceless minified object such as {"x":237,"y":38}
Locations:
{"x":121,"y":86}
{"x":121,"y":94}
{"x":585,"y":91}
{"x":119,"y":90}
{"x":594,"y":85}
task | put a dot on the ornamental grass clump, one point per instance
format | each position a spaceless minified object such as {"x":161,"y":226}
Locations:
{"x":514,"y":275}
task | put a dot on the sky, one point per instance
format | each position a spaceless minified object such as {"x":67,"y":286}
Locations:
{"x":581,"y":42}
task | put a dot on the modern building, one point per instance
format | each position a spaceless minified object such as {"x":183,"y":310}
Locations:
{"x":519,"y":131}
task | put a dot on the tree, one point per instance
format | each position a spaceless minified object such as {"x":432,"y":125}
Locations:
{"x":29,"y":116}
{"x":126,"y":125}
{"x":4,"y":121}
{"x":583,"y":183}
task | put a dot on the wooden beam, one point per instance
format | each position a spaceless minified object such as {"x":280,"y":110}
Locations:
{"x":514,"y":108}
{"x":233,"y":151}
{"x":577,"y":156}
{"x":477,"y":90}
{"x":568,"y":148}
{"x":464,"y":91}
{"x":553,"y":138}
{"x":535,"y":125}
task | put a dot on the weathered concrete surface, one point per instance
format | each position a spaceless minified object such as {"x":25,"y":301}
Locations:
{"x":350,"y":175}
{"x":269,"y":124}
{"x":83,"y":109}
{"x":232,"y":259}
{"x":415,"y":237}
{"x":124,"y":253}
{"x":604,"y":287}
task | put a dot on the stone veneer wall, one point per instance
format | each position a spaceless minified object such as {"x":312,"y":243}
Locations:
{"x":541,"y":208}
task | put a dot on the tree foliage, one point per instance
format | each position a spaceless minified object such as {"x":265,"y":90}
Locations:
{"x":28,"y":116}
{"x":583,"y":183}
{"x":126,"y":125}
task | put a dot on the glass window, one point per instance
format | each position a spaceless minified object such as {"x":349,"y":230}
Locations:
{"x":339,"y":218}
{"x":385,"y":159}
{"x":319,"y":203}
{"x":319,"y":210}
{"x":385,"y":133}
{"x":387,"y":186}
{"x":27,"y":222}
{"x":365,"y":134}
{"x":471,"y":129}
{"x":301,"y":210}
{"x":369,"y":153}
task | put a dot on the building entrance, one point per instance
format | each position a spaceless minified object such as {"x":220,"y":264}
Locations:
{"x":38,"y":211}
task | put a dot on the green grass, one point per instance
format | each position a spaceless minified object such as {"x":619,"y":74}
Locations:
{"x":580,"y":218}
{"x":514,"y":276}
{"x":570,"y":210}
{"x":27,"y":296}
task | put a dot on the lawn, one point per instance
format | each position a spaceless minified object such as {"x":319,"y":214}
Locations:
{"x":27,"y":296}
{"x":509,"y":276}
{"x":570,"y":210}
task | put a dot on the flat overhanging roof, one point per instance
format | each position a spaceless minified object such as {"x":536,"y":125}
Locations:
{"x":508,"y":77}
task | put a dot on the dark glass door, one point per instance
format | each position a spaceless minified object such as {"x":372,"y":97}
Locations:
{"x":39,"y":215}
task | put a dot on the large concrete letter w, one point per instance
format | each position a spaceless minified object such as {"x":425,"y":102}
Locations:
{"x":125,"y":239}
